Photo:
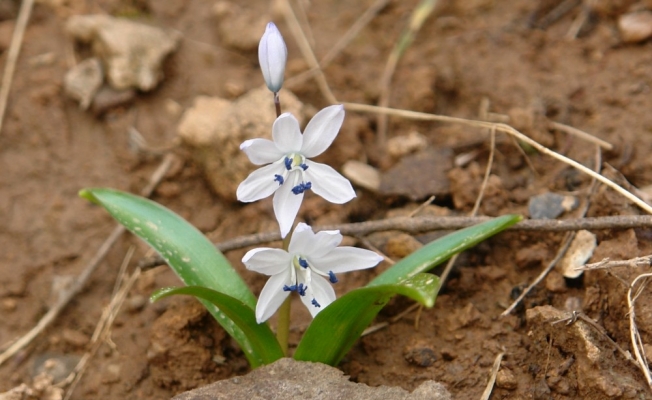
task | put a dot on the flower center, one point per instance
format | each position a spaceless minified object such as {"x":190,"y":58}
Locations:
{"x":295,"y":163}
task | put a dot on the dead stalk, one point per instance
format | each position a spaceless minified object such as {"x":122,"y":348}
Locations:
{"x":12,"y":56}
{"x":492,"y":378}
{"x":637,"y":342}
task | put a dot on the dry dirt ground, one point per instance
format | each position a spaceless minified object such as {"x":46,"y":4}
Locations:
{"x":471,"y":58}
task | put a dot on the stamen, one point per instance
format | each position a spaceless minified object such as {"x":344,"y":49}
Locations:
{"x":332,"y":277}
{"x":304,"y":166}
{"x":302,"y":187}
{"x":301,"y":289}
{"x":288,"y":163}
{"x":279,"y":179}
{"x":314,"y":303}
{"x":292,"y":288}
{"x":303,"y":262}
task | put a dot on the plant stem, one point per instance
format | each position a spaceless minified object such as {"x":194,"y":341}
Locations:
{"x":277,"y":104}
{"x":283,"y":328}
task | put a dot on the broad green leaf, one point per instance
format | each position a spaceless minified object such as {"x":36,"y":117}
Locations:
{"x":262,"y":340}
{"x":190,"y":254}
{"x":335,"y":329}
{"x":442,"y":249}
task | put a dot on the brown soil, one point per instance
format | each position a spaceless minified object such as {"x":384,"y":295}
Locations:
{"x":466,"y":53}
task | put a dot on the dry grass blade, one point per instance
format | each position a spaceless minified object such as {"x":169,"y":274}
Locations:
{"x":510,"y":131}
{"x":12,"y":57}
{"x":606,"y":263}
{"x":635,"y":335}
{"x":418,"y":17}
{"x":492,"y":378}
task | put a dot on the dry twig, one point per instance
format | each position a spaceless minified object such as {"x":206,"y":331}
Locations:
{"x":492,"y":378}
{"x":637,"y":342}
{"x":605,"y":263}
{"x":417,"y":225}
{"x":12,"y":56}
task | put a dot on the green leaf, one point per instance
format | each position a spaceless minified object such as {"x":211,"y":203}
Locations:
{"x":190,"y":254}
{"x":442,"y":249}
{"x":262,"y":340}
{"x":335,"y":329}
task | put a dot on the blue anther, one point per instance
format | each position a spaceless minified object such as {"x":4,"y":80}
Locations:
{"x":314,"y":303}
{"x":288,"y":163}
{"x":303,"y":262}
{"x":279,"y":179}
{"x":304,"y":166}
{"x":301,"y":289}
{"x":302,"y":187}
{"x":292,"y":288}
{"x":332,"y":277}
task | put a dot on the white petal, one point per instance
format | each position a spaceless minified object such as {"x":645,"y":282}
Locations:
{"x":313,"y":245}
{"x":345,"y":259}
{"x":260,"y":183}
{"x":328,"y":183}
{"x":272,"y":296}
{"x":261,"y":151}
{"x":286,"y":204}
{"x":267,"y":261}
{"x":272,"y":55}
{"x":322,"y":130}
{"x":322,"y":291}
{"x":287,"y":134}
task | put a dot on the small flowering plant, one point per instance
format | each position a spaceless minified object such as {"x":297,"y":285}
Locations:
{"x":308,"y":263}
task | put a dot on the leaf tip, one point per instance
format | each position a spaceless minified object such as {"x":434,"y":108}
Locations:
{"x":88,"y":195}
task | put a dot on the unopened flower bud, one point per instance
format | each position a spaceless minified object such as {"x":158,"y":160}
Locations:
{"x":272,"y":55}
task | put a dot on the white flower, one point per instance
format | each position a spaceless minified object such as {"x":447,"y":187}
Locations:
{"x":290,"y":172}
{"x":312,"y":260}
{"x":272,"y":55}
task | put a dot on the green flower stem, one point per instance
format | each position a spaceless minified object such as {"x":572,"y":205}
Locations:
{"x":283,"y":327}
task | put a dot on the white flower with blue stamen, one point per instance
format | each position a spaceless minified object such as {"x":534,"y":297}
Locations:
{"x":290,"y":172}
{"x":308,"y":267}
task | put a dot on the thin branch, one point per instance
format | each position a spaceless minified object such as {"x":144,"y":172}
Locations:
{"x":492,"y":378}
{"x":605,"y":263}
{"x":12,"y":56}
{"x":637,"y":342}
{"x":415,"y":225}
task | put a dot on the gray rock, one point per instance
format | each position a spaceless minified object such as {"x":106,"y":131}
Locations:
{"x":132,"y":53}
{"x":84,"y":80}
{"x":290,"y":379}
{"x":420,"y":175}
{"x":214,"y":128}
{"x":551,"y":205}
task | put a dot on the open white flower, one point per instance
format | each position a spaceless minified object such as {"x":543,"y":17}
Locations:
{"x":290,"y":172}
{"x":272,"y":55}
{"x":311,"y":262}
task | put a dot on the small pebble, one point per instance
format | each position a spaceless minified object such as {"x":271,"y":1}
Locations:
{"x":421,"y":354}
{"x":400,"y":146}
{"x":555,"y":282}
{"x":75,"y":337}
{"x":362,"y":175}
{"x":136,"y":303}
{"x":505,"y":379}
{"x":551,"y":205}
{"x":9,"y":305}
{"x":635,"y":27}
{"x":401,"y":245}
